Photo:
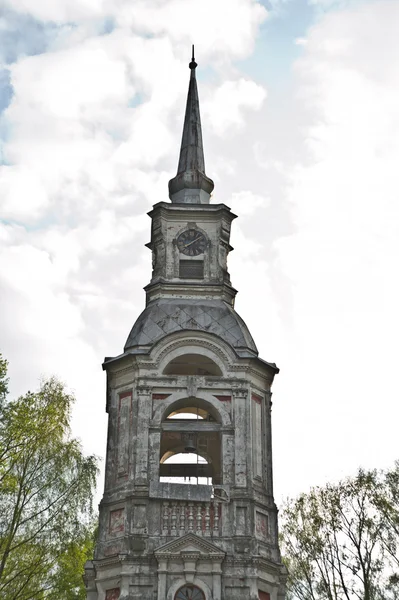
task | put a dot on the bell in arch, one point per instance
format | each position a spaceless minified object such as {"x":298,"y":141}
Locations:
{"x":190,"y":446}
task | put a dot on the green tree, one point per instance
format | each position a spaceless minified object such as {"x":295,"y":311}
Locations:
{"x":386,"y":501}
{"x":46,"y":491}
{"x":66,"y":581}
{"x":340,"y":541}
{"x":3,"y":380}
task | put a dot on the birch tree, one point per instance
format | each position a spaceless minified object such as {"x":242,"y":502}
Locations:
{"x":46,"y":490}
{"x":340,"y":542}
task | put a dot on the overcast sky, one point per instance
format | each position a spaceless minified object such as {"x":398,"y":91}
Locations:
{"x":299,"y":102}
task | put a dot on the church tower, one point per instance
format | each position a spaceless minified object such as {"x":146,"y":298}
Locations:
{"x":188,"y":509}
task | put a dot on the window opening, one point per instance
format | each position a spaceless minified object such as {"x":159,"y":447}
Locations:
{"x":186,"y":466}
{"x":192,"y":364}
{"x":190,"y":412}
{"x":200,"y":411}
{"x":191,"y":269}
{"x":190,"y":592}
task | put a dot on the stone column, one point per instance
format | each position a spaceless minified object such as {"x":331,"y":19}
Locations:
{"x":125,"y":578}
{"x":252,"y":582}
{"x":89,"y":579}
{"x":216,"y":580}
{"x":143,"y":421}
{"x":241,"y":450}
{"x":111,"y":456}
{"x":154,"y":443}
{"x":268,"y":433}
{"x":162,"y":571}
{"x":227,"y":458}
{"x":190,"y":565}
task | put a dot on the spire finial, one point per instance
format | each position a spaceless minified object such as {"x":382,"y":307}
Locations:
{"x":191,"y":185}
{"x":192,"y":64}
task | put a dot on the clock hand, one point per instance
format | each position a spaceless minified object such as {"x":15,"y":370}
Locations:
{"x":192,"y":242}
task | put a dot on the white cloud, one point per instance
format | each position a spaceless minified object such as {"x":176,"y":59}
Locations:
{"x":59,"y":10}
{"x":93,"y":129}
{"x":225,"y":109}
{"x":245,"y":203}
{"x":342,"y":259}
{"x":23,"y":193}
{"x":75,"y":140}
{"x":224,"y":29}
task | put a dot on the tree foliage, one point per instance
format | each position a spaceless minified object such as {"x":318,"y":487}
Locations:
{"x":341,"y":542}
{"x":66,"y":581}
{"x":46,"y":491}
{"x":3,"y":380}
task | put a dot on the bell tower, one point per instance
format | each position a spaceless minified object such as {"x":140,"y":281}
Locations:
{"x":188,"y":509}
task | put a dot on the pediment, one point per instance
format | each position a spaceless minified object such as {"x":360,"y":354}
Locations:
{"x":190,"y":543}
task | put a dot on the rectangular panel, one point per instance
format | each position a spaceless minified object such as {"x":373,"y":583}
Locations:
{"x":191,"y":269}
{"x":125,"y":401}
{"x":223,"y":398}
{"x":257,"y":435}
{"x":117,"y":520}
{"x":160,"y":396}
{"x":241,"y":448}
{"x":262,"y":525}
{"x":264,"y":596}
{"x":140,"y":516}
{"x":241,"y":520}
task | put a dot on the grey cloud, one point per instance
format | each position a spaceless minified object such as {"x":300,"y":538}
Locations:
{"x":22,"y":35}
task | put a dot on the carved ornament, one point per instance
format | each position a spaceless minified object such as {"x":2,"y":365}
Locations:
{"x":194,"y":342}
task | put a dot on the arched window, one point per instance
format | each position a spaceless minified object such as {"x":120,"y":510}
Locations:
{"x":187,"y":467}
{"x":194,"y":409}
{"x":192,"y":364}
{"x":190,"y":592}
{"x":190,"y":449}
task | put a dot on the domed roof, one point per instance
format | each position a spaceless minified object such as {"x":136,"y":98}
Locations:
{"x":167,"y":315}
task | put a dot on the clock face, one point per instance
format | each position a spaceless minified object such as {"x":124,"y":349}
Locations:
{"x":191,"y":242}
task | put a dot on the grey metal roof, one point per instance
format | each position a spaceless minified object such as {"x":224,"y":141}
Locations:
{"x":167,"y":315}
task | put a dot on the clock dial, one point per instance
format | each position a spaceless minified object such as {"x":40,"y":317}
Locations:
{"x":191,"y":242}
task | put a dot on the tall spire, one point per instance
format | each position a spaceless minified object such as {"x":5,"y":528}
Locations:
{"x":191,"y":185}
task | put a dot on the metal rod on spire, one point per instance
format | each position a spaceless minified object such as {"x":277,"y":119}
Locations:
{"x":192,"y":64}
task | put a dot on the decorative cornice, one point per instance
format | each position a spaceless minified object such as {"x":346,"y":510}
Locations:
{"x":175,"y":548}
{"x":239,"y":392}
{"x":144,"y":390}
{"x":191,"y":211}
{"x":254,"y":561}
{"x":184,"y":556}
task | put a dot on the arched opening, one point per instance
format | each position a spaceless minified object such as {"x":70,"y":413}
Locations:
{"x":190,"y":450}
{"x":185,"y":467}
{"x":192,"y":364}
{"x":191,"y":412}
{"x":195,"y":409}
{"x":190,"y":592}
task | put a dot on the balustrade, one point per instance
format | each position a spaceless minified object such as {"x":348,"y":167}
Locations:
{"x":181,"y":516}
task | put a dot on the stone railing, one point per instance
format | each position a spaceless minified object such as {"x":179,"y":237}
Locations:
{"x":181,"y":516}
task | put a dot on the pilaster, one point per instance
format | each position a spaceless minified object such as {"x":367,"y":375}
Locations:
{"x":143,"y":421}
{"x":240,"y":396}
{"x":162,"y":572}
